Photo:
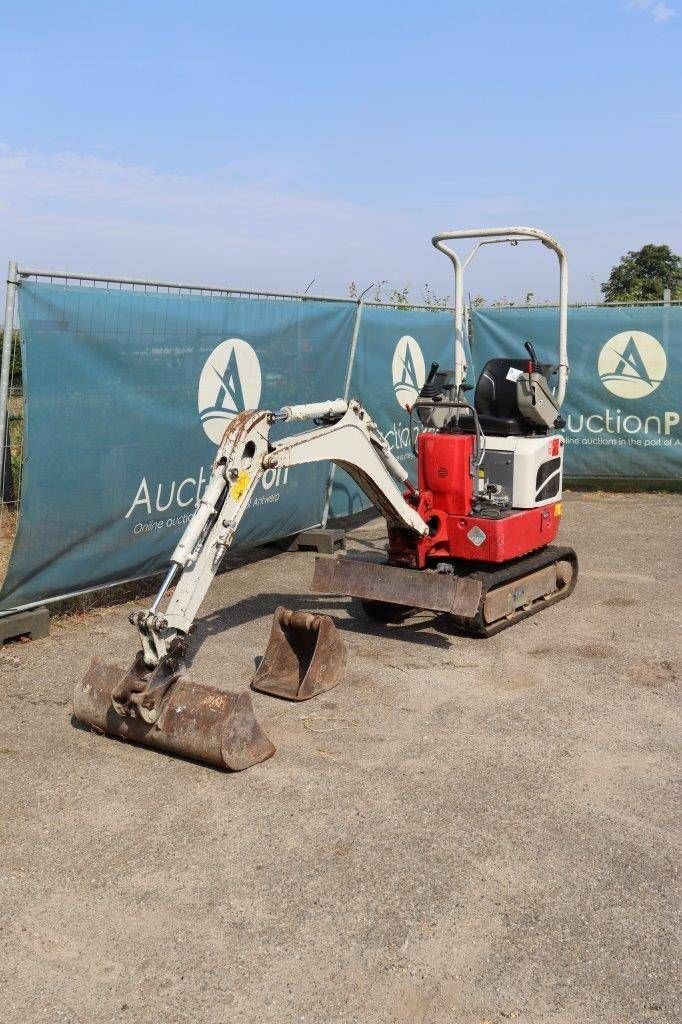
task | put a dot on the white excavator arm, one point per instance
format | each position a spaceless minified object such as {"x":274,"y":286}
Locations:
{"x":346,"y":435}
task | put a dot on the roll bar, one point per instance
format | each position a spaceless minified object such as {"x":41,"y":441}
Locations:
{"x":512,"y":235}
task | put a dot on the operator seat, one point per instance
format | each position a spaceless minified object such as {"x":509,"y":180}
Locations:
{"x":495,"y":401}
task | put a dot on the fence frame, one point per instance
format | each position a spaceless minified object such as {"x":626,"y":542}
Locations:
{"x":5,"y":367}
{"x":16,"y":274}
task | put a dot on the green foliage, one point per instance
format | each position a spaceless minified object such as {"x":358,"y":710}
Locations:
{"x":9,"y":479}
{"x":433,"y":300}
{"x":15,"y":379}
{"x":642,"y":275}
{"x":400,"y":296}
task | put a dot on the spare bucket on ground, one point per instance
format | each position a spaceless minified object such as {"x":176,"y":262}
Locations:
{"x":196,"y":721}
{"x":306,"y":655}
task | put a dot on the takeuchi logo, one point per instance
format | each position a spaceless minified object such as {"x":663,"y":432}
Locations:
{"x":230,"y":382}
{"x":409,"y":372}
{"x":632,"y":364}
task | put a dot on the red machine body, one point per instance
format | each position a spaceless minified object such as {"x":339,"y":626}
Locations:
{"x":444,"y":466}
{"x":445,"y":500}
{"x":490,"y":471}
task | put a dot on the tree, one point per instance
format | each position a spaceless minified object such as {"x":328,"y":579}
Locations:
{"x":431,"y":298}
{"x":400,"y":296}
{"x":642,"y":275}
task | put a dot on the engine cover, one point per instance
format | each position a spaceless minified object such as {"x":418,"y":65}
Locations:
{"x":444,"y":462}
{"x":527,"y":470}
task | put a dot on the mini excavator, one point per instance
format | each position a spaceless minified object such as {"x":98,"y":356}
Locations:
{"x":474,"y":538}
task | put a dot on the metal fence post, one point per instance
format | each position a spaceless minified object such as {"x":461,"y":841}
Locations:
{"x":346,"y":393}
{"x":5,"y":364}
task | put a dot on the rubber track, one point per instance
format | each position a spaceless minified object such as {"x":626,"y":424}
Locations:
{"x":509,"y":573}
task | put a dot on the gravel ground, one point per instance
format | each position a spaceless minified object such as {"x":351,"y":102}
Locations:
{"x":464,"y":831}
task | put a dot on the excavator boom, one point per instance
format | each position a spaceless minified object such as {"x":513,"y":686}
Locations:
{"x":346,"y":436}
{"x":150,"y":703}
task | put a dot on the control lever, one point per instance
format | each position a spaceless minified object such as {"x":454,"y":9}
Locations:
{"x":432,"y":373}
{"x":530,"y":349}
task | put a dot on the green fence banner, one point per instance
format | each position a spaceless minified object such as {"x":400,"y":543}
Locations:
{"x":622,"y":404}
{"x":127,"y":395}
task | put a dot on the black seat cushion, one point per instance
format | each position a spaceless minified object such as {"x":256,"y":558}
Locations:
{"x":495,"y":401}
{"x":495,"y":394}
{"x":496,"y":426}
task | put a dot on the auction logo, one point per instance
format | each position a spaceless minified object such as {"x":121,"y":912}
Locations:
{"x":409,"y":372}
{"x":632,"y":364}
{"x":230,"y":382}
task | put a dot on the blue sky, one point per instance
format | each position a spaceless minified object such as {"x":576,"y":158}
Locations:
{"x":265,"y":144}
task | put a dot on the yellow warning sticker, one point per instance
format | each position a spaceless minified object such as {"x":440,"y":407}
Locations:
{"x":559,"y":508}
{"x":240,"y":486}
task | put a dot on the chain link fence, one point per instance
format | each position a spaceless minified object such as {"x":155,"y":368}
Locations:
{"x":11,"y":460}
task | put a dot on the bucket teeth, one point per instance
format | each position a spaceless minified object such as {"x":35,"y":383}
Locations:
{"x":305,"y":656}
{"x":200,"y":722}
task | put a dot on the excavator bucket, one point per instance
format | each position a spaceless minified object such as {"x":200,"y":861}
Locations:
{"x":196,"y":721}
{"x":305,"y":656}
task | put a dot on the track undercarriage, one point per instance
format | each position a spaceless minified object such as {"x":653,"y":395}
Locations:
{"x":482,"y":600}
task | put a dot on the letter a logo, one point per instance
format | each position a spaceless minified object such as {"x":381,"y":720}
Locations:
{"x":230,"y":385}
{"x":632,"y":364}
{"x":409,"y":372}
{"x":230,"y":382}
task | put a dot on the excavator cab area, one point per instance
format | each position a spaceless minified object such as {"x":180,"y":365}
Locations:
{"x":495,"y":401}
{"x":490,"y":465}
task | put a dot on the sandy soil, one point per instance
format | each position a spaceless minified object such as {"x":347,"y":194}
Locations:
{"x":464,"y":831}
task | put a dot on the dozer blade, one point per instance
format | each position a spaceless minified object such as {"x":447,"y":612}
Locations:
{"x":414,"y":588}
{"x":305,"y":656}
{"x":196,"y":721}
